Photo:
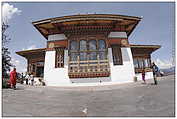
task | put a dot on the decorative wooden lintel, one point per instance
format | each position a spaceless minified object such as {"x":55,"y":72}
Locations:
{"x":119,"y":41}
{"x":60,"y":43}
{"x":89,"y":75}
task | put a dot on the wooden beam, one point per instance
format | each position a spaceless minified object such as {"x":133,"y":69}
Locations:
{"x":129,"y":32}
{"x":40,"y":31}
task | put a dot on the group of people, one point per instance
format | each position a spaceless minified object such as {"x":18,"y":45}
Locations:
{"x":155,"y":70}
{"x":28,"y":78}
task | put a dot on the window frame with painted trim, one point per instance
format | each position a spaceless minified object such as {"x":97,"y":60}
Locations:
{"x":117,"y":54}
{"x":90,"y":51}
{"x":59,"y":57}
{"x":139,"y":63}
{"x":85,"y":49}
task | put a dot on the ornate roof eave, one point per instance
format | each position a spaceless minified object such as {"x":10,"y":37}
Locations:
{"x":145,"y":46}
{"x":150,"y":48}
{"x":87,"y":17}
{"x":41,"y":31}
{"x":80,"y":19}
{"x":25,"y":53}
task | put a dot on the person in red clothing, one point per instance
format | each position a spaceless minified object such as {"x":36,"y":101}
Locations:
{"x":13,"y":78}
{"x":143,"y":75}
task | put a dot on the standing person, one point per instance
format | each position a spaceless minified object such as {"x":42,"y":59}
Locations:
{"x":32,"y":80}
{"x":22,"y":78}
{"x":143,"y":75}
{"x":155,"y":70}
{"x":26,"y":78}
{"x":29,"y":79}
{"x":13,"y":78}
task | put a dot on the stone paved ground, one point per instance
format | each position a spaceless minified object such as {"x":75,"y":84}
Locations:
{"x":132,"y":99}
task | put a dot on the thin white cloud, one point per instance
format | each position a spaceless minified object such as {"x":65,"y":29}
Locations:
{"x":30,"y":47}
{"x":163,"y":64}
{"x":14,"y":61}
{"x":18,"y":65}
{"x":8,"y":11}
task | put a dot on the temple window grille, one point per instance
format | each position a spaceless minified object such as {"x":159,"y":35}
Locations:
{"x":59,"y":58}
{"x":88,"y":56}
{"x":84,"y":50}
{"x":140,"y":63}
{"x":117,"y":55}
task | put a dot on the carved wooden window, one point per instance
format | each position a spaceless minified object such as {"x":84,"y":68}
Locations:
{"x":117,"y":55}
{"x":135,"y":62}
{"x":140,"y":63}
{"x":92,"y":50}
{"x":83,"y":45}
{"x":87,"y":50}
{"x":147,"y":62}
{"x":102,"y":50}
{"x":73,"y":56}
{"x":88,"y":56}
{"x":74,"y":46}
{"x":59,"y":58}
{"x":92,"y":45}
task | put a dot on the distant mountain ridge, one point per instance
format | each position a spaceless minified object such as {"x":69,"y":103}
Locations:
{"x":168,"y":71}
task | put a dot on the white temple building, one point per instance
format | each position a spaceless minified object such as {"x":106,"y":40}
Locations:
{"x":92,"y":48}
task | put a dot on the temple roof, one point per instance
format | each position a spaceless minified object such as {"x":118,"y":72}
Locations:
{"x":141,"y":49}
{"x":145,"y":46}
{"x":26,"y":53}
{"x":55,"y":25}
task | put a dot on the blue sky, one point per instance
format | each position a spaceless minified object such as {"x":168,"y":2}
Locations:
{"x":156,"y":27}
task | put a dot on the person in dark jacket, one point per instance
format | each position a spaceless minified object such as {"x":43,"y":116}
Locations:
{"x":32,"y":80}
{"x":155,"y":71}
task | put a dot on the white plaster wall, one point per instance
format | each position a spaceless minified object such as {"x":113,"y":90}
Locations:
{"x":56,"y":37}
{"x":148,"y":75}
{"x":55,"y":76}
{"x":59,"y":76}
{"x":125,"y":72}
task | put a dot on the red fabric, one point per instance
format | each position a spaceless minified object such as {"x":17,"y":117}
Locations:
{"x":13,"y":75}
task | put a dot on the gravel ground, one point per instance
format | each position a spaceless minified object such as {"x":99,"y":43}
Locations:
{"x":130,"y":99}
